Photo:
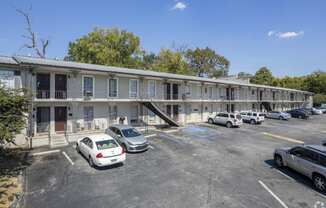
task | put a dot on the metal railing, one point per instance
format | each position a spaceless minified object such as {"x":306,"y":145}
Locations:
{"x":60,"y":94}
{"x":43,"y":94}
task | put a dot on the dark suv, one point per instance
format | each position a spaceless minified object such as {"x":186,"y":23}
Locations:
{"x":298,"y":114}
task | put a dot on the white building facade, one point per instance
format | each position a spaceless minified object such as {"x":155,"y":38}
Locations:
{"x":71,"y":98}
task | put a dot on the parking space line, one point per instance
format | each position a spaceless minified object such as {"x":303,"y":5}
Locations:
{"x":323,"y":132}
{"x":68,"y":158}
{"x":274,"y":195}
{"x":45,"y":152}
{"x":283,"y":138}
{"x":151,"y":135}
{"x":150,"y":146}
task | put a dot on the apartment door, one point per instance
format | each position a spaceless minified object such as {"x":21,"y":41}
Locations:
{"x":232,"y":108}
{"x":60,"y":86}
{"x":43,"y":86}
{"x":134,"y":114}
{"x":42,"y":119}
{"x":88,"y":117}
{"x":175,"y":91}
{"x":175,"y":114}
{"x":60,"y":116}
{"x":167,"y":91}
{"x":168,"y":110}
{"x":232,"y":94}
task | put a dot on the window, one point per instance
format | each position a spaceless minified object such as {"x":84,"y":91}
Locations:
{"x":188,"y":90}
{"x":297,"y":151}
{"x":113,"y":87}
{"x":130,"y":133}
{"x":151,"y":88}
{"x":133,"y":88}
{"x":252,"y":92}
{"x":106,"y":144}
{"x":88,"y":86}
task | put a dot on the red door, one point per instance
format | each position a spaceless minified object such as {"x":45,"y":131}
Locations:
{"x":60,"y":118}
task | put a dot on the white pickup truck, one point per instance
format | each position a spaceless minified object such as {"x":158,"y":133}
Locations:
{"x":252,"y":117}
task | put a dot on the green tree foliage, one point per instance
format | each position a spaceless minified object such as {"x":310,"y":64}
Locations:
{"x":263,"y":76}
{"x":115,"y":47}
{"x":112,"y":47}
{"x":206,"y":62}
{"x":315,"y":82}
{"x":171,"y":62}
{"x":319,"y":99}
{"x":13,"y":108}
{"x":244,"y":75}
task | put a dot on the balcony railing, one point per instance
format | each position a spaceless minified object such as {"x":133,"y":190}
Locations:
{"x":43,"y":94}
{"x":60,"y":94}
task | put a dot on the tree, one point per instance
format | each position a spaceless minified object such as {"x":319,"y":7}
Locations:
{"x":32,"y":40}
{"x":316,"y":82}
{"x":13,"y":109}
{"x":206,"y":62}
{"x":244,"y":75}
{"x":104,"y":46}
{"x":171,"y":62}
{"x":263,"y":76}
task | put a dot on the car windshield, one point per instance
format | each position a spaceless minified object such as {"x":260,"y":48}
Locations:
{"x":130,"y":132}
{"x":106,"y":144}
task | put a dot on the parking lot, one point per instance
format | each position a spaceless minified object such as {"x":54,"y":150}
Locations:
{"x":200,"y":165}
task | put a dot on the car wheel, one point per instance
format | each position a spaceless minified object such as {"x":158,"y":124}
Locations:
{"x":319,"y":182}
{"x":77,"y":148}
{"x":278,"y":161}
{"x":252,"y":121}
{"x":228,"y":125}
{"x":281,"y":118}
{"x":300,"y":117}
{"x":90,"y":161}
{"x":210,"y":121}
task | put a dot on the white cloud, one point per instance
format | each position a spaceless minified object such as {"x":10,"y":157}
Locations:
{"x":285,"y":35}
{"x":270,"y":33}
{"x":179,"y":6}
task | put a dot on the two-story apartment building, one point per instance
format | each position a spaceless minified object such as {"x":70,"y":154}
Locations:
{"x":70,"y":98}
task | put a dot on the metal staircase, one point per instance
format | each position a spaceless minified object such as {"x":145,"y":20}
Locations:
{"x":152,"y":107}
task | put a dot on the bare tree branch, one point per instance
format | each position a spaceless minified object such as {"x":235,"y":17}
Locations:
{"x":31,"y":36}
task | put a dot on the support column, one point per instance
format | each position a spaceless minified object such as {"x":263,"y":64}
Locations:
{"x":52,"y":85}
{"x":52,"y":121}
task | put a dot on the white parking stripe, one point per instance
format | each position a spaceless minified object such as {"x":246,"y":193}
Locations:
{"x":150,"y":146}
{"x":151,"y":135}
{"x":283,"y":138}
{"x":323,"y":132}
{"x":68,"y":158}
{"x":45,"y":152}
{"x":274,"y":195}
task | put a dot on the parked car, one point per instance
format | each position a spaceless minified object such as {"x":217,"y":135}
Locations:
{"x":252,"y":117}
{"x":307,"y":110}
{"x":278,"y":115}
{"x":316,"y":111}
{"x":101,"y":150}
{"x":128,"y":137}
{"x":298,"y":114}
{"x":227,"y":119}
{"x":321,"y":109}
{"x":309,"y":160}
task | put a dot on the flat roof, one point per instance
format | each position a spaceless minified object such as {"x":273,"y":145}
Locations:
{"x":7,"y":60}
{"x":23,"y":60}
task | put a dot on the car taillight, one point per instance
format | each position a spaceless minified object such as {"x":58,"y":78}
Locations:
{"x":99,"y":155}
{"x":123,"y":150}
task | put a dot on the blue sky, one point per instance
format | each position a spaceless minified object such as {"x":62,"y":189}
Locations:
{"x":288,"y":36}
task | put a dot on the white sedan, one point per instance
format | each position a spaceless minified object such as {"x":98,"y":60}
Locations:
{"x":101,"y":150}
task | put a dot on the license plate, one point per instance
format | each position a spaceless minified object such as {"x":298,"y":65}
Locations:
{"x":114,"y":160}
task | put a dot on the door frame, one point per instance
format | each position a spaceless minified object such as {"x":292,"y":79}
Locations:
{"x":56,"y":121}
